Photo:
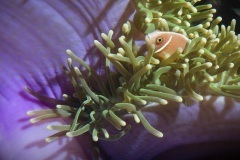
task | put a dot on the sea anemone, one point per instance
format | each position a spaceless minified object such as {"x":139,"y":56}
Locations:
{"x":210,"y":61}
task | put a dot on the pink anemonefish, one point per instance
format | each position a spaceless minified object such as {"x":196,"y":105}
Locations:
{"x":166,"y":43}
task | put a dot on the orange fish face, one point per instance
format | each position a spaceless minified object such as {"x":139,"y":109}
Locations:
{"x":166,"y":43}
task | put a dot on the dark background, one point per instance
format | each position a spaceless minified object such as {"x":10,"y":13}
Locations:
{"x":227,"y":9}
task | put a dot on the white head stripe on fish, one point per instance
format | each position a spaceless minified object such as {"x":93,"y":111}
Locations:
{"x":165,"y":45}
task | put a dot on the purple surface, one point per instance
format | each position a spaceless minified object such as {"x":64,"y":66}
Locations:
{"x":33,"y":38}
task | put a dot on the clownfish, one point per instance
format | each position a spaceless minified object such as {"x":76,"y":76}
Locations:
{"x":166,"y":43}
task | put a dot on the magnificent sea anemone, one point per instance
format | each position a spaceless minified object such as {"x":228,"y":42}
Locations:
{"x":182,"y":100}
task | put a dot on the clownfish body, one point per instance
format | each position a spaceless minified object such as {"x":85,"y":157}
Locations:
{"x":166,"y":43}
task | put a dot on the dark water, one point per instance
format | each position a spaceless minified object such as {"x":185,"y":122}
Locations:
{"x":227,"y":9}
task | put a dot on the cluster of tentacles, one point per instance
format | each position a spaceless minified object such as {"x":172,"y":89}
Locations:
{"x":210,"y":61}
{"x":212,"y":55}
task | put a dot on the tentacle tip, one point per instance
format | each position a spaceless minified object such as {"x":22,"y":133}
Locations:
{"x":149,"y":66}
{"x":49,"y":127}
{"x":27,"y":89}
{"x":209,"y":64}
{"x":179,"y":99}
{"x":49,"y":139}
{"x":184,"y":65}
{"x":160,"y":135}
{"x":69,"y":134}
{"x":58,"y":106}
{"x":95,"y":138}
{"x":33,"y":120}
{"x":143,"y":102}
{"x":103,"y":34}
{"x":29,"y":113}
{"x":204,"y":40}
{"x":68,"y":51}
{"x":110,"y":32}
{"x":214,"y":10}
{"x":200,"y":98}
{"x":123,"y":123}
{"x":163,"y":102}
{"x":211,"y":79}
{"x":147,"y":20}
{"x":96,"y":42}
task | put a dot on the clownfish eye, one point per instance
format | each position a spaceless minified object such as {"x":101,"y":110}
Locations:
{"x":159,"y":40}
